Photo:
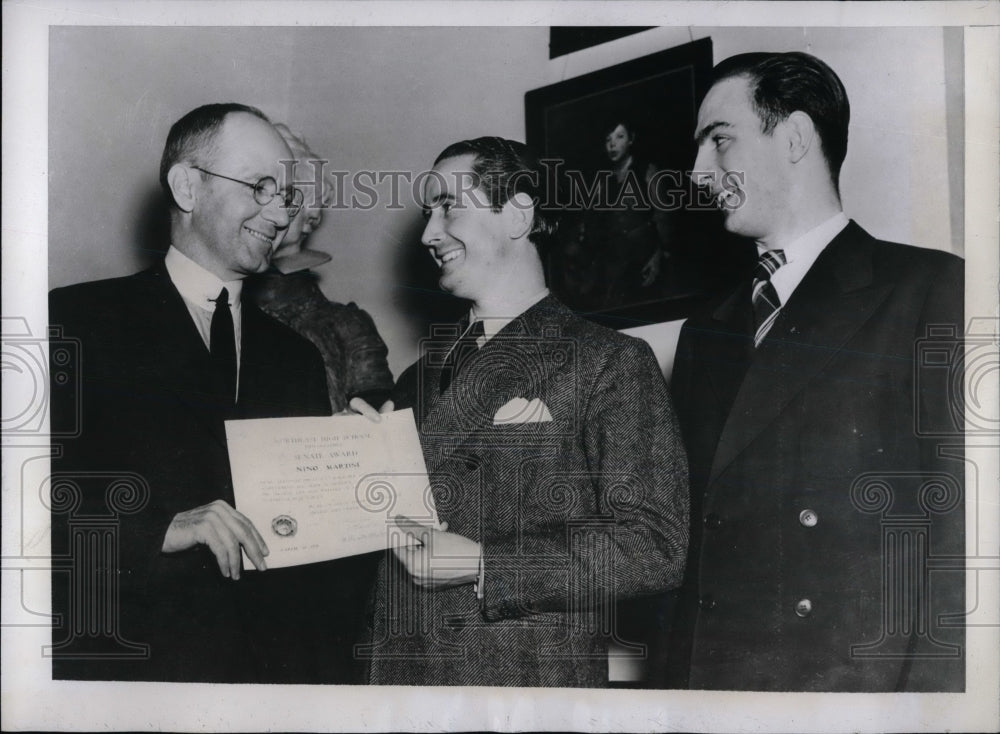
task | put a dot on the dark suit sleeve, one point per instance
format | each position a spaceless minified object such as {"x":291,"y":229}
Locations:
{"x":100,"y":469}
{"x":637,"y":470}
{"x":940,"y":417}
{"x":119,"y":434}
{"x":941,"y":323}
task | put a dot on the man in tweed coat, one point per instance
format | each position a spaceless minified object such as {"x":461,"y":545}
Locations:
{"x":553,"y":454}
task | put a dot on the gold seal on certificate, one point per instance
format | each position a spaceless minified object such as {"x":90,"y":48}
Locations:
{"x":284,"y":526}
{"x":329,"y":487}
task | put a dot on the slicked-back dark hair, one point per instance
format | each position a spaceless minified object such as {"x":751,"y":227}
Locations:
{"x":192,"y":138}
{"x":503,"y":168}
{"x":781,"y":83}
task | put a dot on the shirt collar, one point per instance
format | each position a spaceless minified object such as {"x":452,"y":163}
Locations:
{"x":196,"y":285}
{"x":801,"y":253}
{"x":810,"y":244}
{"x":493,"y":324}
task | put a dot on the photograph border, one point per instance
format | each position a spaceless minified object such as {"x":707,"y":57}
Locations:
{"x":33,"y":702}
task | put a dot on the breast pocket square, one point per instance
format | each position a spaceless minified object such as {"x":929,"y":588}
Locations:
{"x":520,"y":410}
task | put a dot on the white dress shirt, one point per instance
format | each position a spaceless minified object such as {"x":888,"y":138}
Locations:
{"x":493,"y":324}
{"x":800,"y":254}
{"x":199,"y":289}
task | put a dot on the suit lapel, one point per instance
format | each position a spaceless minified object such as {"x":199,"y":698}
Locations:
{"x":260,"y":379}
{"x":835,"y":299}
{"x":178,"y":356}
{"x":493,"y":376}
{"x":725,"y":362}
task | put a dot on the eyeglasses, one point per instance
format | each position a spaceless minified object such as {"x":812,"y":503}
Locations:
{"x":265,"y":190}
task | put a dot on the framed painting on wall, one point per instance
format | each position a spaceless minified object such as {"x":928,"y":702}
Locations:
{"x":637,"y":242}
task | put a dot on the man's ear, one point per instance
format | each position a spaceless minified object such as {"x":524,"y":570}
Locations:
{"x":801,"y":135}
{"x":520,"y":213}
{"x":181,"y":180}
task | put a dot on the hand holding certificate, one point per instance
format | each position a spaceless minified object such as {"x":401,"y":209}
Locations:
{"x":323,"y":488}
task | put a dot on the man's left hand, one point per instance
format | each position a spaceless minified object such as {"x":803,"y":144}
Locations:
{"x":442,"y":560}
{"x":359,"y":406}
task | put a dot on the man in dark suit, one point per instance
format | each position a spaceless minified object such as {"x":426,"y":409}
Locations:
{"x":823,"y":520}
{"x":553,"y":454}
{"x":166,"y":356}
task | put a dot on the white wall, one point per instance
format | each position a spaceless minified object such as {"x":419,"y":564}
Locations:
{"x":392,"y":98}
{"x":895,"y":180}
{"x":368,"y":98}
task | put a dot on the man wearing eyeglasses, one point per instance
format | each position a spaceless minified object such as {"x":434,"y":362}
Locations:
{"x":166,"y":356}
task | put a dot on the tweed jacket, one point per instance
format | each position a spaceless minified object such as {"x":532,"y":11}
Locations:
{"x":827,"y":481}
{"x":573,"y":513}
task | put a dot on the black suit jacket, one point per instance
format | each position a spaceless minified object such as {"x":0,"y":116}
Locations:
{"x":826,"y":480}
{"x":151,"y":443}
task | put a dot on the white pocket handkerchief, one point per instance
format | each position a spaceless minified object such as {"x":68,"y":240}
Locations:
{"x":520,"y":410}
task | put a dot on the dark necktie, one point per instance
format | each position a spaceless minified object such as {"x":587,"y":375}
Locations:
{"x":765,"y":299}
{"x":222,"y":345}
{"x":466,"y":346}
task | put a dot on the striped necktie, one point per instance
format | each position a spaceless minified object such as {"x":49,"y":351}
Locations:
{"x":766,"y":303}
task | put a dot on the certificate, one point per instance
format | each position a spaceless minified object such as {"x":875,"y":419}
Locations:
{"x":323,"y":488}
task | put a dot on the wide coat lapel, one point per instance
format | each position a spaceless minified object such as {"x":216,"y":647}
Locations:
{"x":178,"y":359}
{"x":264,"y":373}
{"x":835,"y":299}
{"x":508,"y":366}
{"x":725,"y":361}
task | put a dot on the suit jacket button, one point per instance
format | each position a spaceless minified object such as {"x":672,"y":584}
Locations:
{"x":712,"y":521}
{"x":471,"y":465}
{"x":706,"y":602}
{"x":803,"y":607}
{"x":808,"y":518}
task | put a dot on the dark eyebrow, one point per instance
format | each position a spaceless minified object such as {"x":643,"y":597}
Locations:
{"x":445,"y":198}
{"x":708,"y":130}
